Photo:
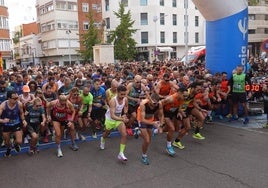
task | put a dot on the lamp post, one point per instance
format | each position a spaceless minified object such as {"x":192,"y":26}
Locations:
{"x":155,"y":19}
{"x":68,"y":32}
{"x":186,"y":31}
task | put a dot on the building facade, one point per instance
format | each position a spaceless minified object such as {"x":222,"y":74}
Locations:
{"x":257,"y":26}
{"x":5,"y":42}
{"x":161,"y":26}
{"x":59,"y":31}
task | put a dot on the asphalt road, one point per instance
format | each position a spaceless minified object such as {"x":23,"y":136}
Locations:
{"x":228,"y":157}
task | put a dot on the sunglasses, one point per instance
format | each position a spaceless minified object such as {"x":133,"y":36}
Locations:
{"x":15,"y":98}
{"x":38,"y":106}
{"x":75,"y":94}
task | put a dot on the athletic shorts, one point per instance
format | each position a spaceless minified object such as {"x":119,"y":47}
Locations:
{"x":33,"y":128}
{"x":98,"y":114}
{"x":132,"y":109}
{"x":239,"y":98}
{"x":111,"y":124}
{"x":12,"y":129}
{"x":170,"y":115}
{"x":145,"y":126}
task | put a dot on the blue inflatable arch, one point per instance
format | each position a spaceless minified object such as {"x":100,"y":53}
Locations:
{"x":226,"y":33}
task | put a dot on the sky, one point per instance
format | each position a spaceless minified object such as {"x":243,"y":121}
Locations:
{"x":20,"y":12}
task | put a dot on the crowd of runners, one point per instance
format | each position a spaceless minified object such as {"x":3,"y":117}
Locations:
{"x":141,"y":99}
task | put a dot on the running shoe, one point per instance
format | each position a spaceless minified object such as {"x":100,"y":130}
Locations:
{"x":122,"y":157}
{"x":36,"y":150}
{"x":82,"y":137}
{"x":265,"y":126}
{"x":76,"y":136}
{"x":60,"y":154}
{"x":235,"y":117}
{"x":74,"y":146}
{"x":178,"y":145}
{"x":246,"y":120}
{"x":65,"y":134}
{"x":31,"y":151}
{"x":26,"y":141}
{"x":145,"y":160}
{"x":220,"y":117}
{"x":136,"y":132}
{"x":102,"y":143}
{"x":198,"y":136}
{"x":94,"y":135}
{"x":229,"y":116}
{"x":170,"y":151}
{"x":17,"y":148}
{"x":8,"y":153}
{"x":3,"y":144}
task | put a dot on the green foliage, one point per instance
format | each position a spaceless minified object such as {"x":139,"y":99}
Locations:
{"x":16,"y":38}
{"x":124,"y":44}
{"x":253,"y":2}
{"x":89,"y":39}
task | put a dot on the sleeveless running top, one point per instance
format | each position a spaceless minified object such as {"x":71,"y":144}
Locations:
{"x":149,"y":113}
{"x":172,"y":107}
{"x":59,"y":114}
{"x":118,"y":108}
{"x":12,"y":114}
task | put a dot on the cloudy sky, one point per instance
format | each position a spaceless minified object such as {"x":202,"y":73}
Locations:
{"x":20,"y":12}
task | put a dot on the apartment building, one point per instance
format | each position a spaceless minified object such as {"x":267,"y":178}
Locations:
{"x":5,"y":42}
{"x":257,"y":26}
{"x":59,"y":31}
{"x":160,"y":26}
{"x":85,"y":7}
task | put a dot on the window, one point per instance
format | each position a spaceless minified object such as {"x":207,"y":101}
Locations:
{"x":251,"y":31}
{"x":4,"y":23}
{"x":108,"y":24}
{"x":5,"y":45}
{"x":185,"y":20}
{"x":162,"y":2}
{"x":266,"y":17}
{"x":162,"y":37}
{"x":175,"y":39}
{"x":174,"y":19}
{"x":107,"y":5}
{"x":65,"y":5}
{"x":143,"y":2}
{"x":85,"y":7}
{"x":196,"y":37}
{"x":85,"y":25}
{"x":251,"y":16}
{"x":174,"y":3}
{"x":144,"y":19}
{"x":2,"y":2}
{"x":162,"y":18}
{"x":125,"y":2}
{"x":266,"y":31}
{"x":196,"y":21}
{"x":144,"y":37}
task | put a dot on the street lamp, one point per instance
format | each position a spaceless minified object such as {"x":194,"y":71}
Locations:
{"x":186,"y":30}
{"x":68,"y":32}
{"x":155,"y":19}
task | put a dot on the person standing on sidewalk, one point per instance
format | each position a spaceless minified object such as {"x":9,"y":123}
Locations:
{"x":116,"y":118}
{"x":12,"y":119}
{"x":237,"y":82}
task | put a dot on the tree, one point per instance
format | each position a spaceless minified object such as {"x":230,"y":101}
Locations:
{"x":17,"y":37}
{"x":124,"y":44}
{"x":89,"y":39}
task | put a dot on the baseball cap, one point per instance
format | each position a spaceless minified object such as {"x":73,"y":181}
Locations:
{"x":25,"y":89}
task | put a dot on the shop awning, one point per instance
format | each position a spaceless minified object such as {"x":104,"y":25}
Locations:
{"x":165,"y":49}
